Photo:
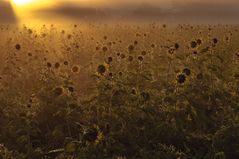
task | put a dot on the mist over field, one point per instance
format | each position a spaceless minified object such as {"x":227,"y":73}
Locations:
{"x":119,"y":79}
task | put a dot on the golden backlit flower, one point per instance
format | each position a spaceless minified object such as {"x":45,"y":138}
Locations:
{"x":102,"y":69}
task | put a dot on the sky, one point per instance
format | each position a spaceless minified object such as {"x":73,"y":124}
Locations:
{"x":172,"y":10}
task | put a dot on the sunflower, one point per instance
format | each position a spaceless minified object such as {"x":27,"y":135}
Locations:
{"x":93,"y":135}
{"x":71,"y":89}
{"x":122,"y":56}
{"x":75,"y":69}
{"x":181,"y":78}
{"x":102,"y":69}
{"x":199,"y":41}
{"x":18,"y":47}
{"x":143,"y":53}
{"x":110,"y":59}
{"x":131,"y":48}
{"x":195,"y":52}
{"x":140,"y":58}
{"x":58,"y":91}
{"x":57,"y":65}
{"x":193,"y":44}
{"x":187,"y":71}
{"x":171,"y":51}
{"x":215,"y":40}
{"x":134,"y":91}
{"x":66,"y":63}
{"x":176,"y":46}
{"x":30,"y":31}
{"x":104,"y":49}
{"x":130,"y":58}
{"x":49,"y":64}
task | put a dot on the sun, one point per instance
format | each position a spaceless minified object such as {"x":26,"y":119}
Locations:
{"x":27,"y":10}
{"x":22,"y":2}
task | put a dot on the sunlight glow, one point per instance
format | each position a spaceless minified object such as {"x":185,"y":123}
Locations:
{"x":31,"y":4}
{"x":22,"y":2}
{"x":25,"y":9}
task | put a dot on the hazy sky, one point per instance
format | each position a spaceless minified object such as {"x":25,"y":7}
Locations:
{"x":190,"y":10}
{"x":154,"y":2}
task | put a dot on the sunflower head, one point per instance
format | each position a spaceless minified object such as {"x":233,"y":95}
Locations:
{"x":18,"y":47}
{"x":75,"y":69}
{"x":187,"y":71}
{"x":181,"y":78}
{"x":93,"y":135}
{"x":58,"y":91}
{"x":102,"y":69}
{"x":176,"y":46}
{"x":193,"y":44}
